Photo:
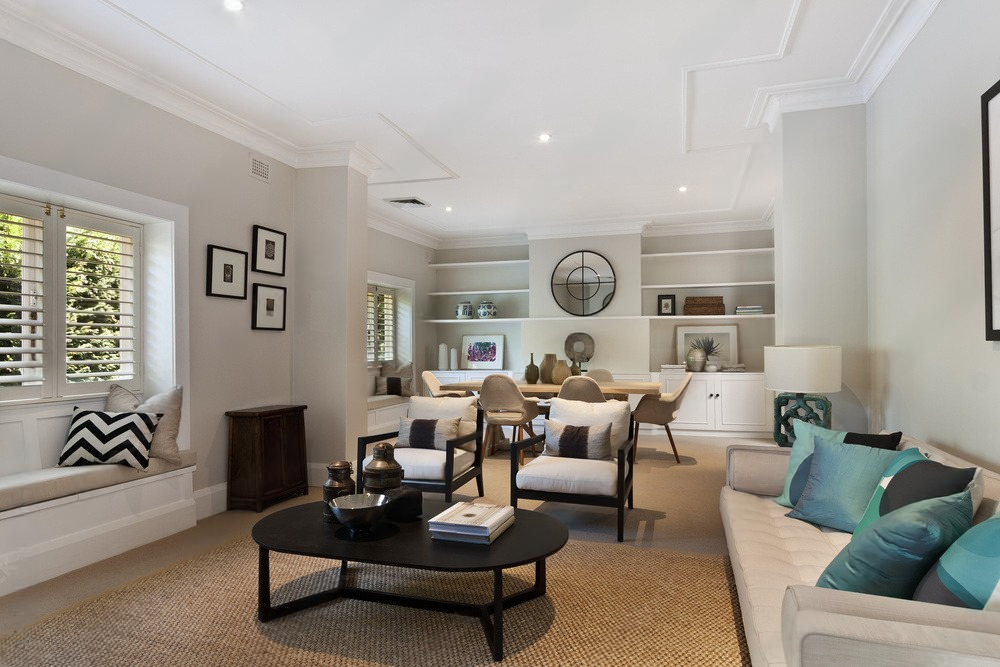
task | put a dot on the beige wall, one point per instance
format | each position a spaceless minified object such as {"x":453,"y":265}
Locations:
{"x":934,"y":375}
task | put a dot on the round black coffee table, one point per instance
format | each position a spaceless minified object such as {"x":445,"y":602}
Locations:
{"x":301,"y":530}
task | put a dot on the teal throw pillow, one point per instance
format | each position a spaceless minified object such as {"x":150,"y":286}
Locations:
{"x":968,"y":574}
{"x":892,"y":555}
{"x":912,"y":477}
{"x":842,"y":479}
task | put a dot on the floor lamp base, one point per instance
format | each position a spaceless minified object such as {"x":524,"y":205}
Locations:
{"x":807,"y":407}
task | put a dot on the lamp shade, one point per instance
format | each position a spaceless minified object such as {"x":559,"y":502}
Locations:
{"x":802,"y":369}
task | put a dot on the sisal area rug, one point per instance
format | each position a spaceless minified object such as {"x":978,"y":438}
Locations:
{"x":607,"y":604}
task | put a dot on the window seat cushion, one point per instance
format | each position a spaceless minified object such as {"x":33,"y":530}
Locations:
{"x":36,"y":486}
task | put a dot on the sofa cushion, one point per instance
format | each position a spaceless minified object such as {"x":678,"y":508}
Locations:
{"x":580,"y":442}
{"x":804,"y":445}
{"x":581,"y":413}
{"x":892,"y":554}
{"x":109,"y":437}
{"x":842,"y":479}
{"x":909,"y":478}
{"x":968,"y":573}
{"x":566,"y":475}
{"x":427,"y":464}
{"x":166,"y":403}
{"x":426,"y":433}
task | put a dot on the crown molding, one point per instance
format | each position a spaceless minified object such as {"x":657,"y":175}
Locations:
{"x":483,"y":242}
{"x":595,"y":228}
{"x":394,"y":228}
{"x":686,"y":228}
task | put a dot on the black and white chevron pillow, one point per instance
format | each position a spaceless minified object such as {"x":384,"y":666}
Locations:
{"x":577,"y":442}
{"x":109,"y":437}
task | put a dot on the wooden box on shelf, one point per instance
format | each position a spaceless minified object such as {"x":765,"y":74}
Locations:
{"x":267,"y":456}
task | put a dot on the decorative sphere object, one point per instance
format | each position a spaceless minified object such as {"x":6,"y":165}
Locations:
{"x":486,"y":310}
{"x":359,"y":511}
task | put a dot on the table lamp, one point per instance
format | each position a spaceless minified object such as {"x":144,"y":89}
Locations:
{"x":801,"y":373}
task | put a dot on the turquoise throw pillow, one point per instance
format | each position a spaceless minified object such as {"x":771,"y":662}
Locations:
{"x":842,"y":479}
{"x":912,"y":477}
{"x":892,"y":555}
{"x":968,"y":574}
{"x":801,"y":458}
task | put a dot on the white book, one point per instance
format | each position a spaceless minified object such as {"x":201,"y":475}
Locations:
{"x":453,"y":536}
{"x":471,"y":518}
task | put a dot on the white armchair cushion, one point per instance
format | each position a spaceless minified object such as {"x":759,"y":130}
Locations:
{"x":426,"y":433}
{"x":564,"y":475}
{"x":447,"y":407}
{"x":427,"y":464}
{"x":580,"y":413}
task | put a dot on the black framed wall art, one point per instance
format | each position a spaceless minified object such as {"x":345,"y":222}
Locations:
{"x":268,"y":307}
{"x":268,"y":250}
{"x":227,"y":273}
{"x":991,"y":207}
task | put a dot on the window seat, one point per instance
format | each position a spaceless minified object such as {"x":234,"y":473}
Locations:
{"x":384,"y":412}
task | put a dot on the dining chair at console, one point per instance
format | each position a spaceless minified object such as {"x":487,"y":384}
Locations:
{"x":432,"y":387}
{"x":660,"y":410}
{"x":503,"y":404}
{"x":604,"y":375}
{"x":581,"y":388}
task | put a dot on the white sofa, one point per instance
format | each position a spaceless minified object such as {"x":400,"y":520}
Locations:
{"x":777,"y":560}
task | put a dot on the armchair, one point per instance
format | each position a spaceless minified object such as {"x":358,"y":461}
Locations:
{"x":436,"y":470}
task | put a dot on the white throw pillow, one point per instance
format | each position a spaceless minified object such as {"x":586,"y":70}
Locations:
{"x":167,"y":403}
{"x":581,"y":413}
{"x":447,"y":407}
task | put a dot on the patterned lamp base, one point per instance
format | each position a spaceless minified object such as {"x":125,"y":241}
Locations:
{"x":807,"y":407}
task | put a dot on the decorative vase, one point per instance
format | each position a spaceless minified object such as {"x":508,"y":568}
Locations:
{"x":695,"y":360}
{"x":560,"y":372}
{"x":338,"y":484}
{"x":383,"y":472}
{"x":574,"y":369}
{"x":531,"y":372}
{"x":545,"y":368}
{"x":463,"y":311}
{"x":486,"y":310}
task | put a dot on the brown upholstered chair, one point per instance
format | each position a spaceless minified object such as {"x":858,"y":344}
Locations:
{"x":604,"y":375}
{"x":660,"y":410}
{"x":432,"y":387}
{"x":503,"y":404}
{"x":581,"y":388}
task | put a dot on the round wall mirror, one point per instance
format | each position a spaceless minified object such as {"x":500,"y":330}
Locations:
{"x":583,"y":283}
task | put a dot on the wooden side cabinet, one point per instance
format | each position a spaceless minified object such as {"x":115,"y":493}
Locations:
{"x":267,"y":456}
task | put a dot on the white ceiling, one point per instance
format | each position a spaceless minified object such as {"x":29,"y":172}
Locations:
{"x":445,"y":99}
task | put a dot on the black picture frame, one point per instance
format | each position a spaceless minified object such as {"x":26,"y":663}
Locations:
{"x":666,"y":304}
{"x":227,"y":273}
{"x":991,"y":197}
{"x":269,"y":249}
{"x":269,"y":307}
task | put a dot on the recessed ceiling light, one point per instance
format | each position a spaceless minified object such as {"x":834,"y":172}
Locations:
{"x":544,"y":138}
{"x":447,"y":209}
{"x":683,"y":188}
{"x":233,"y":5}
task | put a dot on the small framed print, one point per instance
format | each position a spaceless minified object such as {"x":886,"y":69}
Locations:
{"x":666,"y":304}
{"x":227,"y":273}
{"x":482,"y":352}
{"x":268,"y":250}
{"x":268,"y":307}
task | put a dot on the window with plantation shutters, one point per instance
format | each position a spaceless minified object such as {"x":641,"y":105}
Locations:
{"x":69,"y":288}
{"x":381,"y":324}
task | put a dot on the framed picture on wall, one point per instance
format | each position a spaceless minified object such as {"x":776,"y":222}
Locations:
{"x":991,"y":207}
{"x":666,"y":304}
{"x":268,"y":307}
{"x":482,"y":352}
{"x":725,"y":337}
{"x":227,"y":273}
{"x":268,"y":250}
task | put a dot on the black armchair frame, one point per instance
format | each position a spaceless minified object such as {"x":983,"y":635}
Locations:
{"x":451,"y":481}
{"x":626,"y":464}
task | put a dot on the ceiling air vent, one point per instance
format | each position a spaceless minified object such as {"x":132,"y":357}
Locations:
{"x":259,"y":169}
{"x":407,"y":202}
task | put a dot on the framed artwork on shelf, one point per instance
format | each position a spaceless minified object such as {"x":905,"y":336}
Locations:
{"x":268,"y":307}
{"x":268,"y":250}
{"x":227,"y":273}
{"x":991,"y":206}
{"x":726,"y":337}
{"x":482,"y":352}
{"x":666,"y":304}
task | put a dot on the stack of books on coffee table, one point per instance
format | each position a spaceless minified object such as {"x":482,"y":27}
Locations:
{"x":471,"y":522}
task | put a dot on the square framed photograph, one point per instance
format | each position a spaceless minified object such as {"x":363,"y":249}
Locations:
{"x":666,"y":304}
{"x":725,"y":337}
{"x":268,"y":307}
{"x":482,"y":352}
{"x":268,"y":250}
{"x":227,"y":273}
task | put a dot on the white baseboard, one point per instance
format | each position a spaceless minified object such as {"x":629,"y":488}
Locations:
{"x":210,"y":501}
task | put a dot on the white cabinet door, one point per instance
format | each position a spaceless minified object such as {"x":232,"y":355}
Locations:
{"x":741,"y":403}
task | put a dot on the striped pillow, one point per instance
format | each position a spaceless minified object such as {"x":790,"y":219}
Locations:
{"x":426,"y":433}
{"x":577,"y":442}
{"x":109,"y":437}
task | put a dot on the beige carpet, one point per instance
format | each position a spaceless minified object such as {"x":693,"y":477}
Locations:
{"x":607,"y":604}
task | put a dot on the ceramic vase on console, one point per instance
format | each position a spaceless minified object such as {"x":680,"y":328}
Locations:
{"x":560,"y":372}
{"x":531,"y":372}
{"x":487,"y":310}
{"x":575,"y":368}
{"x":463,"y":311}
{"x":545,"y":368}
{"x":695,"y":360}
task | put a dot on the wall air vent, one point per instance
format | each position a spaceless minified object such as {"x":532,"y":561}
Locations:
{"x":407,"y":202}
{"x":259,"y":169}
